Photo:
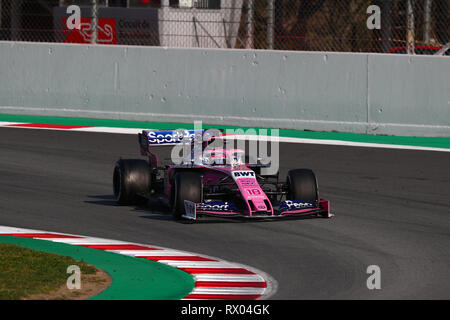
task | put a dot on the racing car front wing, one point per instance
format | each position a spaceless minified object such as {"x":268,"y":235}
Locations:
{"x":194,"y":210}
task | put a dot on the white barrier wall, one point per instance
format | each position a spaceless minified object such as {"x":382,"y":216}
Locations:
{"x":323,"y":91}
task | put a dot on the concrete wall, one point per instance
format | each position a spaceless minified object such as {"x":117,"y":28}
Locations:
{"x":364,"y":93}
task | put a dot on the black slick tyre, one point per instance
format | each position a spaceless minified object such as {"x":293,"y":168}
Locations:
{"x":186,"y":186}
{"x":131,"y":181}
{"x":302,"y":185}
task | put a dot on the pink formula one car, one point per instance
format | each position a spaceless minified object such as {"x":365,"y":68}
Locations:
{"x":218,"y":183}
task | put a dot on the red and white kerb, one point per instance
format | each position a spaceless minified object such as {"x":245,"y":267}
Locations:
{"x":215,"y":279}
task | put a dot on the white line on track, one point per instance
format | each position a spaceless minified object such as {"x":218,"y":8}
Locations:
{"x":110,"y":130}
{"x":118,"y":130}
{"x":5,"y":123}
{"x":151,"y":253}
{"x":199,"y":264}
{"x":335,"y":142}
{"x":208,"y":290}
{"x":229,"y":277}
{"x":88,"y":241}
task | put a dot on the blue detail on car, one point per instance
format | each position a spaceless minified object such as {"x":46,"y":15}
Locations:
{"x":215,"y":205}
{"x":292,"y":205}
{"x":170,"y":136}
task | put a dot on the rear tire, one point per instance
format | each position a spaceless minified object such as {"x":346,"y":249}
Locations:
{"x":131,"y":180}
{"x":186,"y":186}
{"x":302,"y":185}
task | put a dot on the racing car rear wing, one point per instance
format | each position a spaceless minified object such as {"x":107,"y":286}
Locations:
{"x":165,"y":138}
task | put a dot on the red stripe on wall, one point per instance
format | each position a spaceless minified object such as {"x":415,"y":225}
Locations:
{"x":45,"y":125}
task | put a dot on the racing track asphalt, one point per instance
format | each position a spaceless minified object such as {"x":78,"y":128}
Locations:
{"x":392,"y":210}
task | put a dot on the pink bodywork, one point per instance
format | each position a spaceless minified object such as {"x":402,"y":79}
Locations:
{"x":258,"y":204}
{"x":227,"y":172}
{"x":254,"y":196}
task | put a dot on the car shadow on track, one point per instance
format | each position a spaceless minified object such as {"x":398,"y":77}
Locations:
{"x":164,"y":215}
{"x":156,"y":210}
{"x":104,"y":200}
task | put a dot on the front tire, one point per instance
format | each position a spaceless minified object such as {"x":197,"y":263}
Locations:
{"x":186,"y":186}
{"x":302,"y":185}
{"x":131,"y":180}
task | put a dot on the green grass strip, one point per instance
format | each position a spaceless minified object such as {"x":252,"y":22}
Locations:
{"x":432,"y":142}
{"x":132,"y":278}
{"x":24,"y":272}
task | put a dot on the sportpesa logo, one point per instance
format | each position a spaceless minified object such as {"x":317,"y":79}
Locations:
{"x":216,"y":206}
{"x":288,"y":205}
{"x":299,"y":205}
{"x":164,"y":137}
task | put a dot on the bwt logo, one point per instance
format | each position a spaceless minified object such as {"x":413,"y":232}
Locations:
{"x":243,"y":174}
